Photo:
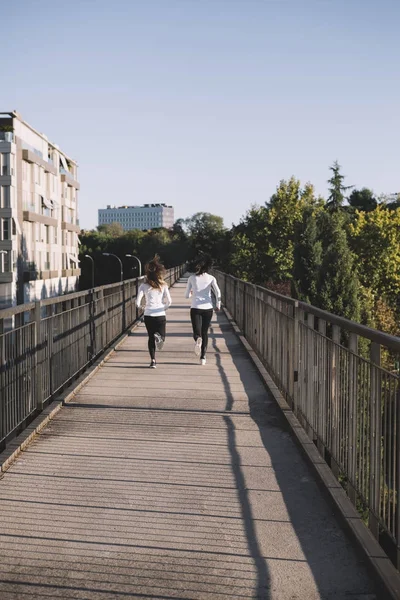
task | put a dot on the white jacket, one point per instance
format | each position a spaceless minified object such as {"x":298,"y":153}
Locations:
{"x":157,"y":300}
{"x":200,"y":287}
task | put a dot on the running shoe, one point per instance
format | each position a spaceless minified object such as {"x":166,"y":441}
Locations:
{"x":153,"y":365}
{"x":203,"y":361}
{"x":159,"y":341}
{"x":197,"y":347}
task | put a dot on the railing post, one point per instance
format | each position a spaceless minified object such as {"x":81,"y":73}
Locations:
{"x":235,"y":300}
{"x":244,"y":320}
{"x":397,"y":455}
{"x":295,"y":367}
{"x":123,"y":306}
{"x":335,"y":398}
{"x":352,"y":420}
{"x":137,"y":292}
{"x":103,"y":319}
{"x":3,"y":362}
{"x":50,"y":340}
{"x":92,"y":323}
{"x":322,"y":392}
{"x":38,"y":355}
{"x":375,"y":440}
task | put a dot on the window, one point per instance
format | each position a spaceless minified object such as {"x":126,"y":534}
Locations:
{"x":48,"y":234}
{"x":5,"y":262}
{"x":5,"y":229}
{"x":38,"y":175}
{"x":47,"y":262}
{"x":5,"y":163}
{"x":5,"y":196}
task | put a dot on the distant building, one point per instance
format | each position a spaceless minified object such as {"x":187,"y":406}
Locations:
{"x":38,"y":215}
{"x":147,"y":216}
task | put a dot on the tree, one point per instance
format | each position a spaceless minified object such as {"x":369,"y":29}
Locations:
{"x":113,"y":229}
{"x":263,"y":243}
{"x":337,"y":189}
{"x":338,"y":287}
{"x":363,"y":200}
{"x":251,"y":252}
{"x":178,"y":229}
{"x":307,"y":257}
{"x":206,"y":233}
{"x":375,"y":239}
{"x":286,"y":208}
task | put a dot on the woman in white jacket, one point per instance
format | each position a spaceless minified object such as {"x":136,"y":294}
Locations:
{"x":158,"y":299}
{"x":199,"y":286}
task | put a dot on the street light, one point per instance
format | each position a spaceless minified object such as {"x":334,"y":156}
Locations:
{"x":119,"y":260}
{"x":139,"y":263}
{"x":91,"y":259}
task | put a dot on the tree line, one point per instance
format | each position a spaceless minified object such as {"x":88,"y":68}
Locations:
{"x":341,"y":253}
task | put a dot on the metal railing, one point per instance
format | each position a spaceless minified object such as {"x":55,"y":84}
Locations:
{"x":330,"y":371}
{"x":44,"y":345}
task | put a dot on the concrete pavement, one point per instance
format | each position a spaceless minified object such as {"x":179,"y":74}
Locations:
{"x":179,"y":483}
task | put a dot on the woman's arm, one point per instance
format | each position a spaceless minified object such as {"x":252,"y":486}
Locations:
{"x":188,"y":287}
{"x":217,"y":292}
{"x":167,"y":297}
{"x":140,"y":296}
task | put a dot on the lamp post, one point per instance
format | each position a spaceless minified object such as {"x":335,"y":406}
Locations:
{"x":139,"y":263}
{"x":119,"y":260}
{"x":92,"y":261}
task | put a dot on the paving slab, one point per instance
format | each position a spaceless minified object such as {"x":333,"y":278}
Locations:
{"x":182,"y":482}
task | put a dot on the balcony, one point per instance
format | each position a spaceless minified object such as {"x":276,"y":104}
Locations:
{"x":32,"y":157}
{"x":6,"y":136}
{"x":34,"y":217}
{"x":34,"y":275}
{"x":70,"y":273}
{"x":7,"y":277}
{"x":69,"y":226}
{"x":67,"y":178}
{"x":47,"y":274}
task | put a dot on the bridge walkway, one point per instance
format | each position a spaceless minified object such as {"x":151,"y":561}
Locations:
{"x":179,"y":483}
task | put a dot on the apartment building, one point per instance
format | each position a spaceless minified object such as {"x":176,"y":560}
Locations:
{"x":38,"y":215}
{"x":147,"y":216}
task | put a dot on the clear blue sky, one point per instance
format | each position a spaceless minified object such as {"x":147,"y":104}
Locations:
{"x":207,"y":104}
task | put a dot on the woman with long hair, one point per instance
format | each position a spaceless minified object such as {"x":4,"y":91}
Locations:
{"x":158,"y":299}
{"x":200,"y":286}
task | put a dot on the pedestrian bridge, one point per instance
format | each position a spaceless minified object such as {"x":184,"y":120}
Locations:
{"x":187,"y":482}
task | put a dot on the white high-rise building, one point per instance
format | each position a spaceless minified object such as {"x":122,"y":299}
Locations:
{"x":38,"y":215}
{"x":147,"y":216}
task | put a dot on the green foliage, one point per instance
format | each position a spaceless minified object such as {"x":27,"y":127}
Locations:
{"x":337,"y":189}
{"x":173,"y":250}
{"x":307,"y":257}
{"x":375,"y":239}
{"x":338,"y":288}
{"x":113,"y":229}
{"x":363,"y":200}
{"x":324,"y":269}
{"x":206,"y":233}
{"x":263,"y":243}
{"x":343,"y":259}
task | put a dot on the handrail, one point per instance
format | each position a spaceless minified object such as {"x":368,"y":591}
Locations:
{"x":391,"y":342}
{"x":342,"y":387}
{"x":45,"y":345}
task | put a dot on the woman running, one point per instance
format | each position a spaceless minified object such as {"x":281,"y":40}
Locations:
{"x":158,"y":299}
{"x":199,"y":286}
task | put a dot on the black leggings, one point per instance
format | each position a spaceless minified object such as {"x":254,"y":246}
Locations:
{"x":201,"y":319}
{"x":154,"y":325}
